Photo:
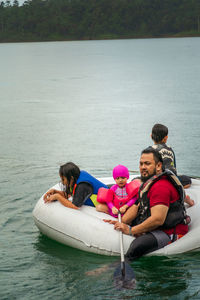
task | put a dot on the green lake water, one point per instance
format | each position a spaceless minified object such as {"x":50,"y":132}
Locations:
{"x":94,"y":103}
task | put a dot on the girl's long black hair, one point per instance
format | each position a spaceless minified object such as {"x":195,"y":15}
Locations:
{"x":69,"y":170}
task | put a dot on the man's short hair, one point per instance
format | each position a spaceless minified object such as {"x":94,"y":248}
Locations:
{"x":159,"y":131}
{"x":157,"y":156}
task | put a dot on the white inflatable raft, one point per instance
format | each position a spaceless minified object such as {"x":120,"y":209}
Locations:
{"x":84,"y":229}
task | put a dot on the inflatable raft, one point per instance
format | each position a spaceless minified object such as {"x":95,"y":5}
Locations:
{"x":84,"y":229}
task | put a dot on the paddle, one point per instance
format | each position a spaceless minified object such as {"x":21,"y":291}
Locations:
{"x":124,"y":276}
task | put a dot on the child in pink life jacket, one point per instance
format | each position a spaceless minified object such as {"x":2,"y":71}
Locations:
{"x":120,"y":196}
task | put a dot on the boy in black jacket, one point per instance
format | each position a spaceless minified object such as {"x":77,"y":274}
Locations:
{"x":159,"y":136}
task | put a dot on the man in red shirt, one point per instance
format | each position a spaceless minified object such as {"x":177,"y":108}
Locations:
{"x":159,"y":216}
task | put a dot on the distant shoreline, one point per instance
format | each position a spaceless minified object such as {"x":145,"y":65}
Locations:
{"x":105,"y":37}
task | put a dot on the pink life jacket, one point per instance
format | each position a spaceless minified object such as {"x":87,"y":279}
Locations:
{"x":109,"y":196}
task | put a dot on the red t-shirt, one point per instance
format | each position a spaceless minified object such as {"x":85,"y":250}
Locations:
{"x":163,"y":192}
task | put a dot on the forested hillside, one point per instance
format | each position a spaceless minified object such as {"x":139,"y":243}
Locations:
{"x":43,"y":20}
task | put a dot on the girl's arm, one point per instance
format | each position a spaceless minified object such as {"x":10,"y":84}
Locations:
{"x":124,"y":208}
{"x":110,"y":205}
{"x":113,"y":208}
{"x":66,"y":202}
{"x":52,"y":192}
{"x":131,"y":201}
{"x":62,"y":199}
{"x":83,"y":191}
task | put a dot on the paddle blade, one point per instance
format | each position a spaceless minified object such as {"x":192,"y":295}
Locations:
{"x":124,"y":277}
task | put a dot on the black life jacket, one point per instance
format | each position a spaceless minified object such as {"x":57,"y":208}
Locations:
{"x":167,"y":155}
{"x":176,"y":213}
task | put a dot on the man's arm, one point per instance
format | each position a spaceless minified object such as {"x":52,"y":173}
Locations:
{"x":157,"y":218}
{"x":130,"y":214}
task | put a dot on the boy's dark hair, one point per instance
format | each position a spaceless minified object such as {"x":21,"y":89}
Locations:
{"x":68,"y":171}
{"x":159,"y":131}
{"x":157,"y":156}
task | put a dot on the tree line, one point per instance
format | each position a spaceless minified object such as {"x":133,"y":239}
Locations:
{"x":46,"y":20}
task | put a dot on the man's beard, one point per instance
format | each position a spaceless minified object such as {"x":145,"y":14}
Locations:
{"x":145,"y":178}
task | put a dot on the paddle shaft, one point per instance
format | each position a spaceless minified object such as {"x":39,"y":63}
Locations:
{"x":123,"y":275}
{"x":121,"y":247}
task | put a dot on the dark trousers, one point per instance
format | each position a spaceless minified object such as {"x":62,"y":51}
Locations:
{"x":147,"y":243}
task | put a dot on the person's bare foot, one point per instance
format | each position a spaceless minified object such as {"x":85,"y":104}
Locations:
{"x":189,"y":201}
{"x":187,"y":186}
{"x":97,"y":271}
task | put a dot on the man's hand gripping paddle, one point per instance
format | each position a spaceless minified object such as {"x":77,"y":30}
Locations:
{"x":124,"y":276}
